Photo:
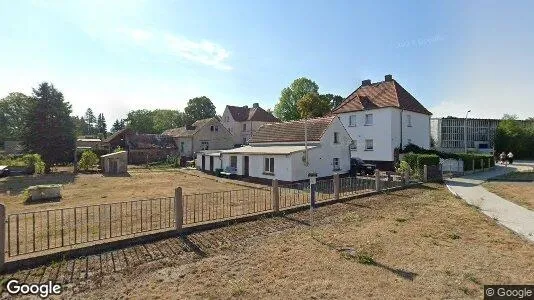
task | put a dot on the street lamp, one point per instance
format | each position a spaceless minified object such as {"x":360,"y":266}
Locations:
{"x":465,"y":131}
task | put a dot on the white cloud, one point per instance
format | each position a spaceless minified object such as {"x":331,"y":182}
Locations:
{"x":204,"y":52}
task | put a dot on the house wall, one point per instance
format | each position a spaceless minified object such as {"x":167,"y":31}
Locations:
{"x":217,"y":163}
{"x":418,"y":134}
{"x":188,"y":146}
{"x":236,"y":128}
{"x":218,"y":140}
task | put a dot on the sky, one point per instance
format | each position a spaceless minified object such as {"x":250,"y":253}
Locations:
{"x":117,"y":56}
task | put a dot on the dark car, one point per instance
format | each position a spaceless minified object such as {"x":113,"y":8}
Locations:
{"x":358,"y":166}
{"x":4,"y":171}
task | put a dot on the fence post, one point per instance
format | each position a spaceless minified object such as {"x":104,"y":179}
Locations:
{"x":377,"y":180}
{"x":178,"y":209}
{"x":336,"y":186}
{"x":425,"y":173}
{"x":2,"y":235}
{"x":276,"y":196}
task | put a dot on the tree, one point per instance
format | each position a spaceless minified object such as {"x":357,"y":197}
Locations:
{"x":333,"y":100}
{"x":199,"y":108}
{"x":90,"y":120}
{"x":118,"y":125}
{"x":80,"y":127}
{"x":286,"y":108}
{"x":312,"y":106}
{"x":515,"y":136}
{"x":88,"y":160}
{"x":166,"y":119}
{"x":101,"y":126}
{"x":141,"y":121}
{"x":13,"y":108}
{"x":49,"y":130}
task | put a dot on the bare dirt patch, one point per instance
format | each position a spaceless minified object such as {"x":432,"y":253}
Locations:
{"x":520,"y":193}
{"x":416,"y":243}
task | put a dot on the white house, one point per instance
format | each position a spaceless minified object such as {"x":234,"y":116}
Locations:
{"x":277,"y":150}
{"x":381,"y":118}
{"x":243,"y":121}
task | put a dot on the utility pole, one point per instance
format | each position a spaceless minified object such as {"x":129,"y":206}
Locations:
{"x":465,"y":131}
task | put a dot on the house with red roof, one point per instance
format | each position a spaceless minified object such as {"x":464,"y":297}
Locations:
{"x":243,"y":121}
{"x":381,"y":118}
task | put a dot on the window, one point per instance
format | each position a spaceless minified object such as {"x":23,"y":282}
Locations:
{"x":204,"y":145}
{"x":368,"y":145}
{"x":244,"y":141}
{"x":268,"y":166}
{"x":211,"y":127}
{"x":233,"y":161}
{"x":336,"y":164}
{"x":352,"y":121}
{"x":353,"y":146}
{"x":368,"y":119}
{"x":409,"y":118}
{"x":336,"y":138}
{"x":245,"y":127}
{"x":182,"y":146}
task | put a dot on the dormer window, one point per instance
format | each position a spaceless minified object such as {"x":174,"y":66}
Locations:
{"x":409,"y":118}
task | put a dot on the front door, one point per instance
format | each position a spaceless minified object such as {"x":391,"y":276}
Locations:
{"x":211,"y":163}
{"x":203,"y":163}
{"x":245,"y":171}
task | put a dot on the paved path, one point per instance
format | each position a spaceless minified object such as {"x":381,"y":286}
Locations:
{"x":509,"y":214}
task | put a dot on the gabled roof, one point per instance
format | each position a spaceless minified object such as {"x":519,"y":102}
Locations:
{"x":118,"y":134}
{"x":292,"y":131}
{"x":150,"y":141}
{"x":243,"y":113}
{"x":188,"y":131}
{"x":260,"y":150}
{"x":387,"y":93}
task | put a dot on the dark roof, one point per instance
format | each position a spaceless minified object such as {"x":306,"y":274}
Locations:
{"x":243,"y":113}
{"x":150,"y":141}
{"x":117,"y":135}
{"x":292,"y":131}
{"x":378,"y":95}
{"x":187,"y":131}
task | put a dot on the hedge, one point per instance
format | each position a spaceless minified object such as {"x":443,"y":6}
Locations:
{"x":469,"y":157}
{"x":417,"y":161}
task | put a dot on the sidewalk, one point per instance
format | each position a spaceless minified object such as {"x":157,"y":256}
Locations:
{"x":511,"y":215}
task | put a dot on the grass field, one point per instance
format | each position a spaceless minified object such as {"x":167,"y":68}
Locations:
{"x":415,"y":243}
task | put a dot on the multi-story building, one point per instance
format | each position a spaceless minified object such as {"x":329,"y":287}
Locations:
{"x":382,"y":118}
{"x":243,"y":121}
{"x":453,"y":134}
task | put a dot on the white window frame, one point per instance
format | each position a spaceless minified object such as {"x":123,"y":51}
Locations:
{"x":367,"y":148}
{"x":353,"y":146}
{"x":335,"y":164}
{"x":234,"y":158}
{"x":409,"y":120}
{"x":369,"y":119}
{"x":352,"y":120}
{"x":268,"y":165}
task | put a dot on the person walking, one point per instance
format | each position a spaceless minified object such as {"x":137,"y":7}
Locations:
{"x":510,"y":157}
{"x":502,"y":158}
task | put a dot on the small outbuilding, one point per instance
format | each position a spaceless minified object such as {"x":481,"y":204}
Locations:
{"x":115,"y":163}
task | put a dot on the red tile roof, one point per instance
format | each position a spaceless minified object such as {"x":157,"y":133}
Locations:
{"x":242,"y":113}
{"x":292,"y":131}
{"x":378,"y":95}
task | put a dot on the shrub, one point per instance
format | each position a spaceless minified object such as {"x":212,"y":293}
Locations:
{"x":173,"y":161}
{"x":34,"y":163}
{"x":417,"y":161}
{"x":403,"y":168}
{"x":88,"y":159}
{"x":477,"y":157}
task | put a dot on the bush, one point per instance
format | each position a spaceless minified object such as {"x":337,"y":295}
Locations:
{"x":88,"y":160}
{"x":417,"y":161}
{"x":403,"y":168}
{"x":477,"y":157}
{"x":173,"y":161}
{"x":34,"y":163}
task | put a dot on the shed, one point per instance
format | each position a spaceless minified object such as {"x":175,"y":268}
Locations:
{"x":115,"y":163}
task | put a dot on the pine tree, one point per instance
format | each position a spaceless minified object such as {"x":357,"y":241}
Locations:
{"x":118,"y":125}
{"x":101,"y":125}
{"x":90,"y":120}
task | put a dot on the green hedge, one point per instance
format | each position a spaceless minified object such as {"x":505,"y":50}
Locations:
{"x":477,"y":157}
{"x":417,"y":161}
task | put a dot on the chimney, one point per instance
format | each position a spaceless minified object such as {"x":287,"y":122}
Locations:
{"x":366,"y":82}
{"x":388,"y":77}
{"x":245,"y":107}
{"x":255,"y":105}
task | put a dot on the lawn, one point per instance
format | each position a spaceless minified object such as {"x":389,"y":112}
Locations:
{"x":416,"y":243}
{"x":521,"y":193}
{"x":519,"y":176}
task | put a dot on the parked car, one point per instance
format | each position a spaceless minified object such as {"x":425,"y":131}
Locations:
{"x":4,"y":171}
{"x":358,"y":166}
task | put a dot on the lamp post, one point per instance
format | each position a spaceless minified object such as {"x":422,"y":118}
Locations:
{"x":465,"y":131}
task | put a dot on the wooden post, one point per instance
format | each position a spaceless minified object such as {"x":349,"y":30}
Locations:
{"x":276,"y":196}
{"x":178,"y":209}
{"x":377,"y":180}
{"x":425,"y":173}
{"x":336,"y":186}
{"x":2,"y":236}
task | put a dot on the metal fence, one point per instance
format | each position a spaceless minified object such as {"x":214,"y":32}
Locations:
{"x":221,"y":205}
{"x":30,"y":232}
{"x":355,"y":185}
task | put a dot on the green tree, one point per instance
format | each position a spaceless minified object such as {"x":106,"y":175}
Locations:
{"x":333,"y":100}
{"x":80,"y":127}
{"x":13,"y":108}
{"x":88,"y":160}
{"x":90,"y":120}
{"x":286,"y":108}
{"x":49,"y":129}
{"x":141,"y":121}
{"x":515,"y":136}
{"x":101,"y":126}
{"x":118,"y":125}
{"x":166,"y":119}
{"x":312,"y":106}
{"x":199,"y":108}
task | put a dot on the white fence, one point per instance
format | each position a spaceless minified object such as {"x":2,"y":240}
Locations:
{"x":452,"y":165}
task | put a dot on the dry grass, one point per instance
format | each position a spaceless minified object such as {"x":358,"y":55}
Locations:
{"x":519,"y":193}
{"x":417,"y":243}
{"x":84,"y":189}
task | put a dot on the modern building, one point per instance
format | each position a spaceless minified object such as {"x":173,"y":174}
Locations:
{"x":278,"y":150}
{"x":206,"y":134}
{"x":381,"y":118}
{"x":453,"y":134}
{"x":243,"y":121}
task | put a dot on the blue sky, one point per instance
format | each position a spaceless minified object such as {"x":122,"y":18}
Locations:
{"x":116,"y":56}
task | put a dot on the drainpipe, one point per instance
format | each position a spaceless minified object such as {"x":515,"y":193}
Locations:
{"x":401,"y":129}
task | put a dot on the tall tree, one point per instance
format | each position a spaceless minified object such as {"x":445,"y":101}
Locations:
{"x":333,"y":100}
{"x":13,"y":108}
{"x":90,"y":120}
{"x":312,"y":106}
{"x":141,"y":121}
{"x":49,"y":129}
{"x":118,"y":125}
{"x":166,"y":119}
{"x":101,"y":126}
{"x":199,"y":108}
{"x":286,"y":108}
{"x":80,"y":127}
